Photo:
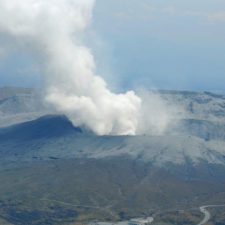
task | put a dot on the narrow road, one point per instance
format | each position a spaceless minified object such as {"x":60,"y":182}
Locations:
{"x":207,"y":215}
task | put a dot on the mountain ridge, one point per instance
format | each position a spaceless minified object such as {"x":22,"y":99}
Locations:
{"x":50,"y":132}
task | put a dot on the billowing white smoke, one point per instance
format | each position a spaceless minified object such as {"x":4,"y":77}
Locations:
{"x":54,"y":29}
{"x":156,"y":114}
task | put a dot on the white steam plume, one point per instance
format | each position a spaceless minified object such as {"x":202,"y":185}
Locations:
{"x":54,"y":30}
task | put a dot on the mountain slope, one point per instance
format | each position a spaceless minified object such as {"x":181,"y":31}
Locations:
{"x":48,"y":165}
{"x":55,"y":135}
{"x":54,"y":173}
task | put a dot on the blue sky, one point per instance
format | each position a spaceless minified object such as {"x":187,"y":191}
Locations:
{"x":148,"y":43}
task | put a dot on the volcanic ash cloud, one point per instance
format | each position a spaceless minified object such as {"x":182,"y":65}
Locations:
{"x":54,"y":29}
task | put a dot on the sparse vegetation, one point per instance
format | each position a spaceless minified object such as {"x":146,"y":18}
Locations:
{"x":52,"y":173}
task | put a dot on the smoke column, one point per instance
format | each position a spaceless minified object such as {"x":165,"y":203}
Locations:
{"x":54,"y":28}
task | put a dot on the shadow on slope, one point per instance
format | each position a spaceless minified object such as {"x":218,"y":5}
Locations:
{"x":45,"y":127}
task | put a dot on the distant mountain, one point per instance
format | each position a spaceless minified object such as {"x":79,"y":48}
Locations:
{"x":200,"y":113}
{"x":20,"y":105}
{"x":197,"y":105}
{"x":7,"y":92}
{"x":54,"y":173}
